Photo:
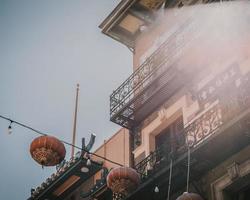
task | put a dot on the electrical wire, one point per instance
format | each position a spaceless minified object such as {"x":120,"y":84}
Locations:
{"x":188,"y":168}
{"x":65,"y":142}
{"x":170,"y":178}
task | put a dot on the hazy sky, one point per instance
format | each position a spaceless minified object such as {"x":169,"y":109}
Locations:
{"x":46,"y":47}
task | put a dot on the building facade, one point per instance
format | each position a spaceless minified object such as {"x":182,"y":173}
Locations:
{"x":185,"y":109}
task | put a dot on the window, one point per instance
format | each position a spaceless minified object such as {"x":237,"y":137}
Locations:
{"x":237,"y":192}
{"x":172,"y":137}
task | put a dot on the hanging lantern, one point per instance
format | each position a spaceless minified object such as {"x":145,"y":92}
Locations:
{"x":122,"y":181}
{"x":47,"y":150}
{"x":189,"y":196}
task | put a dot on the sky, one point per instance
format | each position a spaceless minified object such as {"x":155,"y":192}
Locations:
{"x":46,"y":48}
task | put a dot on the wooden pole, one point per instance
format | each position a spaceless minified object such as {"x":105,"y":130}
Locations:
{"x":75,"y":120}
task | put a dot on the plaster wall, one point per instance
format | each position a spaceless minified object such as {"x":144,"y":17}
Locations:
{"x":117,"y":149}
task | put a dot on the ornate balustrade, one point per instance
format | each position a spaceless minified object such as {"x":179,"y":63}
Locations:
{"x":203,"y":126}
{"x":226,"y":106}
{"x":135,"y":91}
{"x":149,"y":164}
{"x":196,"y":132}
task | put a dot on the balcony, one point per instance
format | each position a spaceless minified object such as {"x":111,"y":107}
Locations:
{"x":224,"y":124}
{"x":151,"y":84}
{"x":195,"y":133}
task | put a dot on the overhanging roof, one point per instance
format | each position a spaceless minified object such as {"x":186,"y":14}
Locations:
{"x":66,"y":180}
{"x":124,"y":22}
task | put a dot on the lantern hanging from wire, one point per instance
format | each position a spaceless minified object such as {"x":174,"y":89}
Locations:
{"x":47,"y":150}
{"x":122,"y":181}
{"x":186,"y":195}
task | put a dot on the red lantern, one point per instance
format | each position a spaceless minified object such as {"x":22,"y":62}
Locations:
{"x":189,"y":196}
{"x":123,"y":180}
{"x":47,"y":150}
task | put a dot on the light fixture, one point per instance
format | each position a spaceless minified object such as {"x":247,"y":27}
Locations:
{"x":88,"y":163}
{"x":10,"y":128}
{"x":143,"y":28}
{"x":156,"y":189}
{"x":84,"y":169}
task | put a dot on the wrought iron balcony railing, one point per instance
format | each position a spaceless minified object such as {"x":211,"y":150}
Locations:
{"x":150,"y":162}
{"x":227,"y":106}
{"x":196,"y":132}
{"x":147,"y":80}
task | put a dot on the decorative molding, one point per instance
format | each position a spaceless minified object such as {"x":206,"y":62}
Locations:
{"x":233,"y":171}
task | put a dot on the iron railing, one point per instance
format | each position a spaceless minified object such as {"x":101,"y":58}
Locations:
{"x":148,"y":165}
{"x":123,"y":100}
{"x":226,"y":106}
{"x":194,"y":133}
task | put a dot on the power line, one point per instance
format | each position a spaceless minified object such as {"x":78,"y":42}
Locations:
{"x":23,"y":125}
{"x":65,"y":142}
